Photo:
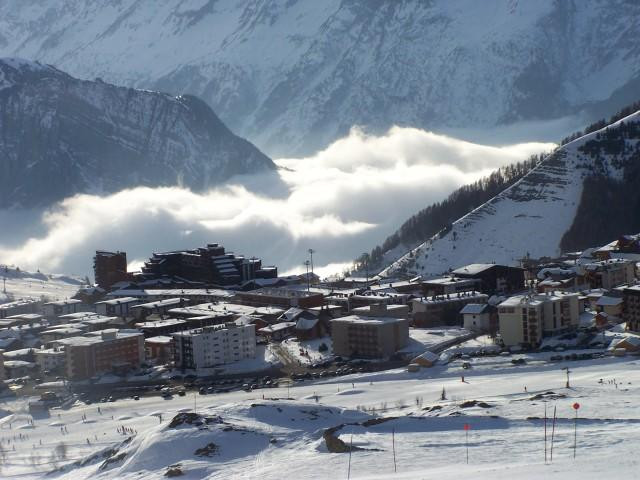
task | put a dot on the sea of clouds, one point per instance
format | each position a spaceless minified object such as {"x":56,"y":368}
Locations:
{"x":341,"y":202}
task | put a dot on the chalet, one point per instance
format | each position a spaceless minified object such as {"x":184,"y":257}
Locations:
{"x":278,"y":331}
{"x":479,"y":317}
{"x":427,"y":359}
{"x":309,"y":327}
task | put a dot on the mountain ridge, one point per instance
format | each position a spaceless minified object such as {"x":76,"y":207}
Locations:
{"x":60,"y":136}
{"x":294,"y":76}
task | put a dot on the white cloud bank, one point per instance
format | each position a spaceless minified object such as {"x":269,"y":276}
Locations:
{"x":341,"y":202}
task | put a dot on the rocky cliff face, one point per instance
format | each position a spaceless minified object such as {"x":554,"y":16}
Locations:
{"x":60,"y":136}
{"x":293,"y":75}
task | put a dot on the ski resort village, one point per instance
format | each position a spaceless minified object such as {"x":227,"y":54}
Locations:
{"x":207,"y":363}
{"x":187,"y":188}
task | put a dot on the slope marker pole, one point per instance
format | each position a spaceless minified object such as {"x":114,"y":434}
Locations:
{"x":393,"y":443}
{"x":350,"y":449}
{"x":553,"y":431}
{"x":545,"y":433}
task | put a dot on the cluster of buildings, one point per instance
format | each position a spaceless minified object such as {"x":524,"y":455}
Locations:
{"x":130,"y":323}
{"x":210,"y":265}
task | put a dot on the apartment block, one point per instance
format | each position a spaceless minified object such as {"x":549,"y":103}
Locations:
{"x":610,"y":273}
{"x":102,"y":352}
{"x":525,"y":320}
{"x":631,"y":307}
{"x":214,"y":345}
{"x":369,"y":337}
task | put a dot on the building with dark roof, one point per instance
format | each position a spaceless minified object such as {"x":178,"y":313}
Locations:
{"x":493,"y":278}
{"x":210,"y":264}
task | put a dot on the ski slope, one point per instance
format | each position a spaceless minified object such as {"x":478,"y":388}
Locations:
{"x":528,"y":218}
{"x":274,"y":437}
{"x":17,"y":284}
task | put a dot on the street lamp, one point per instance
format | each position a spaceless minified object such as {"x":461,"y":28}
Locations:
{"x":307,"y":263}
{"x":311,"y":252}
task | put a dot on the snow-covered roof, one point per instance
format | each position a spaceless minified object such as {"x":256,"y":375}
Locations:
{"x":277,"y":327}
{"x":159,"y":304}
{"x":429,"y":356}
{"x":606,"y":301}
{"x":306,"y":323}
{"x":291,"y":314}
{"x":473,"y":269}
{"x":474,"y":308}
{"x":18,"y":364}
{"x":367,"y":320}
{"x":159,"y":339}
{"x":161,"y":323}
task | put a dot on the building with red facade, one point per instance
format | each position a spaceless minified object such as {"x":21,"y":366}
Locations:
{"x":101,"y":352}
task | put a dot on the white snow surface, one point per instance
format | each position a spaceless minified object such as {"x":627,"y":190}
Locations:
{"x":273,"y":436}
{"x":23,"y":284}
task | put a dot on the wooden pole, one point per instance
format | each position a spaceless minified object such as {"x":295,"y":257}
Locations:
{"x":467,"y":442}
{"x":553,"y":431}
{"x":350,"y":448}
{"x":575,"y":434}
{"x":545,"y":433}
{"x":393,"y":443}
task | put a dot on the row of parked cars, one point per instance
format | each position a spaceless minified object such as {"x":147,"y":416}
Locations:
{"x":576,"y":356}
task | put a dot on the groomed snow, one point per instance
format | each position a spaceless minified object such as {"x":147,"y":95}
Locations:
{"x":270,"y":437}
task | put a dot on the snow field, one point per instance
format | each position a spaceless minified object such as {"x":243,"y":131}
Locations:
{"x":266,"y":437}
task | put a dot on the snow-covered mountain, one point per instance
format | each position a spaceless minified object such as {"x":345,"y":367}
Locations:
{"x":60,"y":136}
{"x":583,"y":192}
{"x":293,"y":75}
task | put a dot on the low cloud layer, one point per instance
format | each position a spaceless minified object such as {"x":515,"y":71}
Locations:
{"x":341,"y":202}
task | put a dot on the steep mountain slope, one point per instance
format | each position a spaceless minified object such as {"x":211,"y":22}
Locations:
{"x":293,"y":75}
{"x":559,"y":204}
{"x":440,"y":215}
{"x":60,"y":136}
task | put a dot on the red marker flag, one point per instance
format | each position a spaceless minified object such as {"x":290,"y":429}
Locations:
{"x":576,"y":406}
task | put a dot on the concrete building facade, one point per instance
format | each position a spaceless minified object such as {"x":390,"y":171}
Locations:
{"x":214,"y":345}
{"x":103,"y":352}
{"x":369,"y":337}
{"x":524,"y":320}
